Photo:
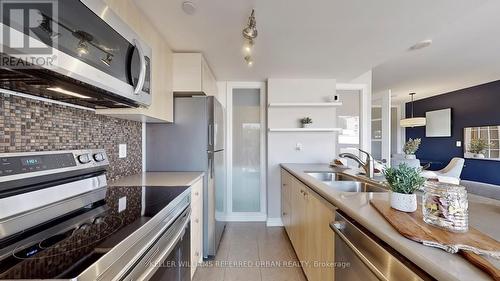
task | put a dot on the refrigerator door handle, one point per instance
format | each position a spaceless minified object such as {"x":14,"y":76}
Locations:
{"x":211,"y":164}
{"x":211,"y":134}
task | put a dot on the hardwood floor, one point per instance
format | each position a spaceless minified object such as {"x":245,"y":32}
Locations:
{"x":252,"y":252}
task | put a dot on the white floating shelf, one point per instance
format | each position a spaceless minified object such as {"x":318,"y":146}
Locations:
{"x":306,"y":104}
{"x":305,"y":129}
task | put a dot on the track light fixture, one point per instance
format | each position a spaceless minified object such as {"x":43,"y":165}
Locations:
{"x":249,"y":34}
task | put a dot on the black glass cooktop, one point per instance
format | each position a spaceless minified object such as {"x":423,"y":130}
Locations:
{"x":66,"y":246}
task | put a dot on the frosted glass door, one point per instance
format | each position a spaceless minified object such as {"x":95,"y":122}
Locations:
{"x":381,"y":127}
{"x":246,"y":133}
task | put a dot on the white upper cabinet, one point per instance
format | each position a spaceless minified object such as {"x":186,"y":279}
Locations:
{"x":193,"y":75}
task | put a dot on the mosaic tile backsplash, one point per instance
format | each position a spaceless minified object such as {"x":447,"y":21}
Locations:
{"x":32,"y":125}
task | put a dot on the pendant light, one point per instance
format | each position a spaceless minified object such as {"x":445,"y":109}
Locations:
{"x":413,"y":121}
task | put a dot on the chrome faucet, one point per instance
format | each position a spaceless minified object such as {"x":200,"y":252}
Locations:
{"x":368,"y":165}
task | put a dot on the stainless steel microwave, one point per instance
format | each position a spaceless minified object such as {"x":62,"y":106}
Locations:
{"x":76,"y":51}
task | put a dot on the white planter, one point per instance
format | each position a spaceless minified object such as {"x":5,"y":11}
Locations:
{"x":306,"y":125}
{"x":404,"y":202}
{"x":478,"y":155}
{"x":410,"y":156}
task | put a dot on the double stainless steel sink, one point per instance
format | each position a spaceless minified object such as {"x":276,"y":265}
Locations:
{"x":343,"y":183}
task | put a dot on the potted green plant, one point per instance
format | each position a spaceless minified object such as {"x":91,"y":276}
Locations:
{"x":477,"y":147}
{"x":403,"y":182}
{"x":306,"y":122}
{"x":411,"y":147}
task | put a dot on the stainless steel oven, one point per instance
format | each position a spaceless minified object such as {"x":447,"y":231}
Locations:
{"x":97,"y":59}
{"x":56,"y":209}
{"x":169,"y":257}
{"x":359,"y":256}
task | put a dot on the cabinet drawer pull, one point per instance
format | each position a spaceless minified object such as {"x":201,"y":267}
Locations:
{"x":196,"y":220}
{"x":196,"y":193}
{"x":197,"y":253}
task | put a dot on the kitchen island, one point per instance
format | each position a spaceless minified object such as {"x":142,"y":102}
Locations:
{"x":483,"y":215}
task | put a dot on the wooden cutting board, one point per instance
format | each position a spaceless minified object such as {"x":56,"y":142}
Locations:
{"x":412,"y":226}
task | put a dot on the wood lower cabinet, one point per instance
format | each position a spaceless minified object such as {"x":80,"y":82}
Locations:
{"x":320,"y":238}
{"x":299,"y":211}
{"x":196,"y":225}
{"x":306,"y":217}
{"x":285,"y":199}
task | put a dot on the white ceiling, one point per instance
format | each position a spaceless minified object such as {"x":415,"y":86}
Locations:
{"x":302,"y":38}
{"x":464,"y":54}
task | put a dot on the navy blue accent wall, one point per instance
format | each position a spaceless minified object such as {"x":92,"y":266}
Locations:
{"x":470,"y":107}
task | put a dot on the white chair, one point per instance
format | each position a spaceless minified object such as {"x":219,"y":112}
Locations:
{"x":452,"y":170}
{"x":450,"y":180}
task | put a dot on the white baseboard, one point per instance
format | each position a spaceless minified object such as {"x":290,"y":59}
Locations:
{"x":274,"y":222}
{"x":250,"y":217}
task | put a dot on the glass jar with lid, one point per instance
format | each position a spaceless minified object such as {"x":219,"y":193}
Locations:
{"x":446,"y":206}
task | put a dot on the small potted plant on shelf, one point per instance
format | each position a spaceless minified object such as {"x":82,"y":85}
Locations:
{"x":403,"y":182}
{"x":477,"y":147}
{"x":306,"y":122}
{"x":411,"y":147}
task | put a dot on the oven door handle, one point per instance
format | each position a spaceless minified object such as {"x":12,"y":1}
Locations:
{"x":142,"y":73}
{"x":157,"y":261}
{"x":338,"y":226}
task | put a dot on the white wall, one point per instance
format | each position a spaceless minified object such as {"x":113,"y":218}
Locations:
{"x":281,"y":146}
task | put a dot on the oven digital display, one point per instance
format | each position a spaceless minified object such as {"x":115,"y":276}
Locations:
{"x":32,"y":161}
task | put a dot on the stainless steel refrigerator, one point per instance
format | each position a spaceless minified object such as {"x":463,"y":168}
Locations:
{"x":194,"y":142}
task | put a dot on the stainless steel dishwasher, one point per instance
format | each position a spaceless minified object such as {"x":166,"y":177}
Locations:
{"x":361,"y":256}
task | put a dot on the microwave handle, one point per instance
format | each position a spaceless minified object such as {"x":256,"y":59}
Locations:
{"x":142,"y":73}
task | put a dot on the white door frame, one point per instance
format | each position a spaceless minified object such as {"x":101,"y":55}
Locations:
{"x":246,"y":216}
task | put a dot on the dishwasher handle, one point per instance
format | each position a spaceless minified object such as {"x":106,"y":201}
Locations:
{"x":337,"y":227}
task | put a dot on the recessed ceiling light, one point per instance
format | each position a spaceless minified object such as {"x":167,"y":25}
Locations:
{"x":421,"y":45}
{"x":188,"y":7}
